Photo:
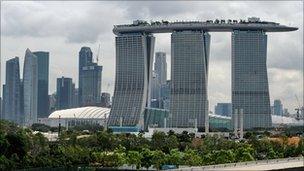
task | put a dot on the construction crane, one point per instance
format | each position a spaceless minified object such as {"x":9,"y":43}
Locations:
{"x":98,"y":54}
{"x":299,"y":109}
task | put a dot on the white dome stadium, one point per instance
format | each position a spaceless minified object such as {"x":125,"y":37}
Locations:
{"x":82,"y":113}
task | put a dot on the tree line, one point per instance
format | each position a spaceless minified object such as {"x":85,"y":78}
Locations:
{"x":20,"y":148}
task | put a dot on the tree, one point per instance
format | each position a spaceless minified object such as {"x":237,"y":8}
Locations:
{"x":191,"y":158}
{"x":147,"y":156}
{"x":174,"y":157}
{"x":40,"y":127}
{"x":158,"y":159}
{"x":134,"y":158}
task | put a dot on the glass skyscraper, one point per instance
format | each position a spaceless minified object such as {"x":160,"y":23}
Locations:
{"x":91,"y":87}
{"x":278,"y":107}
{"x":134,"y":58}
{"x":43,"y":84}
{"x":12,"y":93}
{"x":30,"y":87}
{"x":64,"y":96}
{"x":249,"y":78}
{"x":160,"y":67}
{"x":189,"y":78}
{"x":85,"y":58}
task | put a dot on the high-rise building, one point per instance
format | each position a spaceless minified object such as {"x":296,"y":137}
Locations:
{"x":160,"y":67}
{"x":278,"y":107}
{"x":30,"y":88}
{"x":91,"y":87}
{"x":64,"y":93}
{"x":12,"y":92}
{"x":43,"y":84}
{"x":134,"y":59}
{"x":189,"y":78}
{"x":105,"y":100}
{"x":224,"y":109}
{"x":249,"y":78}
{"x":52,"y":100}
{"x":85,"y":59}
{"x":155,"y":87}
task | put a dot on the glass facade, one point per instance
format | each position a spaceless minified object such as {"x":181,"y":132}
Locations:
{"x":64,"y":96}
{"x":12,"y":93}
{"x":134,"y":58}
{"x":43,"y":84}
{"x":30,"y":88}
{"x":91,"y":89}
{"x":189,"y":79}
{"x":249,"y":78}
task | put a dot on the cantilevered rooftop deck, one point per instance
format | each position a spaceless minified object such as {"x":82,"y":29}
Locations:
{"x":209,"y":26}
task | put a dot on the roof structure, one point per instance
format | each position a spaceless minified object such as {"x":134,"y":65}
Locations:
{"x":140,"y":26}
{"x":82,"y":112}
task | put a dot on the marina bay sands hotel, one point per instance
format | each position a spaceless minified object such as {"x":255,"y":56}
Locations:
{"x":190,"y":49}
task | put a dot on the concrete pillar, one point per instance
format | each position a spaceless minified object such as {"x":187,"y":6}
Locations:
{"x":241,"y":115}
{"x":235,"y":122}
{"x":206,"y":123}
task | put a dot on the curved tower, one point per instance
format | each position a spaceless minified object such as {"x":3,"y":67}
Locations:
{"x":134,"y":58}
{"x":189,"y":78}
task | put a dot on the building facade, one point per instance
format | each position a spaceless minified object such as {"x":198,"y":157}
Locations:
{"x":223,"y":109}
{"x":189,"y":78}
{"x":64,"y":96}
{"x":134,"y":59}
{"x":85,"y":58}
{"x":30,"y":88}
{"x":43,"y":84}
{"x":91,"y":87}
{"x":160,"y":67}
{"x":249,"y":78}
{"x":278,"y":107}
{"x":12,"y":93}
{"x":105,"y":100}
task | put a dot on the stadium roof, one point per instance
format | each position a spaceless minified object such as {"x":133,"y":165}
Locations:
{"x":82,"y":112}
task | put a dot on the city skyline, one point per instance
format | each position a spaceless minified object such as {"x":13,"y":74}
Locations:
{"x":280,"y":72}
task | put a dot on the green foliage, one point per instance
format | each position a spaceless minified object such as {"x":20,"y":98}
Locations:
{"x":21,"y":149}
{"x":40,"y":127}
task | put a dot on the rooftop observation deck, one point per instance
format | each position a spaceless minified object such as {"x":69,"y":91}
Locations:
{"x":208,"y":26}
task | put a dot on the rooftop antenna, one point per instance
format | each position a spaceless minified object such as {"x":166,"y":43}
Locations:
{"x":97,"y":54}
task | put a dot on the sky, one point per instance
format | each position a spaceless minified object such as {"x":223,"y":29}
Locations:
{"x":62,"y":28}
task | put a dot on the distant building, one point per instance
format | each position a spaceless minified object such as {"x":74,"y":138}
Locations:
{"x":105,"y":100}
{"x":89,"y":79}
{"x":64,"y":96}
{"x":223,"y":109}
{"x":52,"y":100}
{"x":278,"y":107}
{"x":12,"y":92}
{"x":43,"y":84}
{"x":91,"y":89}
{"x":160,"y":67}
{"x":75,"y":96}
{"x":155,"y":89}
{"x":286,"y":113}
{"x":30,"y":87}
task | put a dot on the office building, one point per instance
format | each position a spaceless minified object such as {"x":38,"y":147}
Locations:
{"x":30,"y":88}
{"x":249,"y":78}
{"x":223,"y":109}
{"x":64,"y":93}
{"x":53,"y":103}
{"x":160,"y":67}
{"x":85,"y":58}
{"x":43,"y":84}
{"x":12,"y":92}
{"x":155,"y":87}
{"x":189,"y":79}
{"x":105,"y":100}
{"x":134,"y":59}
{"x":278,"y":107}
{"x":91,"y":87}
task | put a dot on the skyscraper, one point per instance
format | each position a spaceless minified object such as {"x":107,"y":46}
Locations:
{"x":43,"y":84}
{"x":278,"y":107}
{"x":91,"y":87}
{"x":189,"y":78}
{"x":64,"y":93}
{"x":249,"y":77}
{"x":160,"y":67}
{"x":12,"y":92}
{"x":134,"y":59}
{"x":30,"y":87}
{"x":85,"y":58}
{"x":105,"y":100}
